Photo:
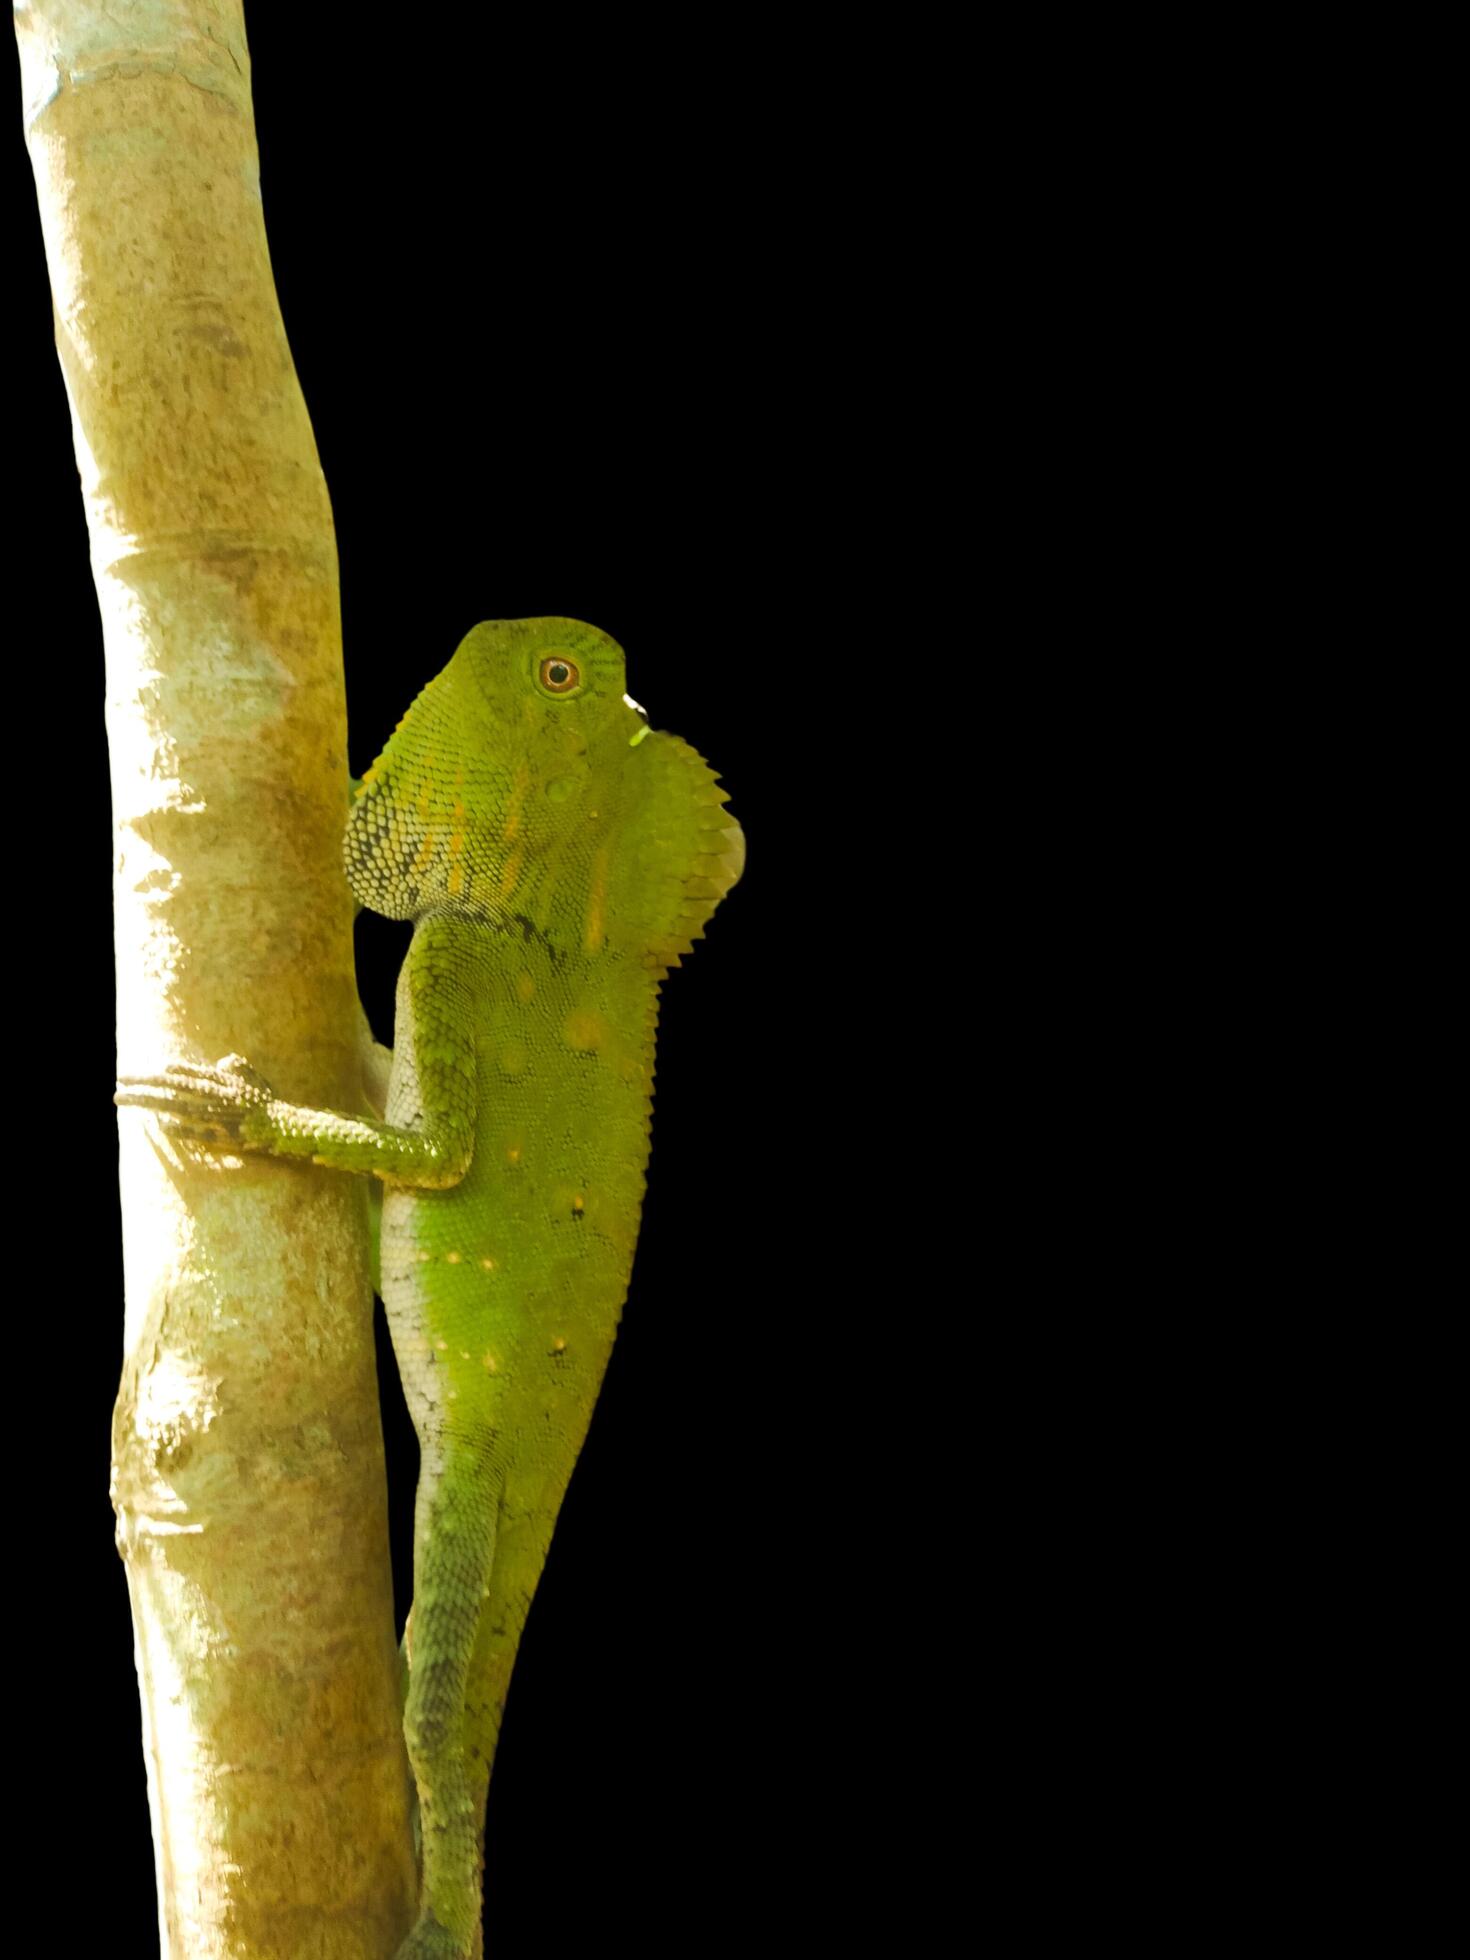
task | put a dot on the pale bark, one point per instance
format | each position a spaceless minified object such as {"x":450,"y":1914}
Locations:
{"x":248,"y":1472}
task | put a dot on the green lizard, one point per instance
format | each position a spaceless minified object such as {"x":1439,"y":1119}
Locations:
{"x":557,"y":856}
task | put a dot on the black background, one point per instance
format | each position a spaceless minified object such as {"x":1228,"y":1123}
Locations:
{"x":554,"y":338}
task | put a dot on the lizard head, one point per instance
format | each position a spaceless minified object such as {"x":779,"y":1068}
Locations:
{"x":524,"y":784}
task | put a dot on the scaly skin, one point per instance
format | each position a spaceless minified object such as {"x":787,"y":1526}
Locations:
{"x":557,"y":857}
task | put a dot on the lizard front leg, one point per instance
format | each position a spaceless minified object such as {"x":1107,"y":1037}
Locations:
{"x":230,"y":1107}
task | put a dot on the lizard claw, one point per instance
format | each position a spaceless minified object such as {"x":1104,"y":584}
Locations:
{"x":227,"y":1104}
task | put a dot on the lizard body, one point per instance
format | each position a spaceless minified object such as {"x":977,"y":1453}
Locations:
{"x":557,"y":857}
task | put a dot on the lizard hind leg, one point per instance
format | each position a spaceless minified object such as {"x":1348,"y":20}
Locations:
{"x":454,"y":1550}
{"x":405,"y":1675}
{"x":522,"y":1541}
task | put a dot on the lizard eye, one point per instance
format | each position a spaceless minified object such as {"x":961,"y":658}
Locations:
{"x":559,"y":675}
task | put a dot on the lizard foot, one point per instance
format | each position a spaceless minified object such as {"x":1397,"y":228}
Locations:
{"x":431,"y":1941}
{"x":227,"y":1105}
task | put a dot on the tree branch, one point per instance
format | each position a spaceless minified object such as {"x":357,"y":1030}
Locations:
{"x":248,"y":1473}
